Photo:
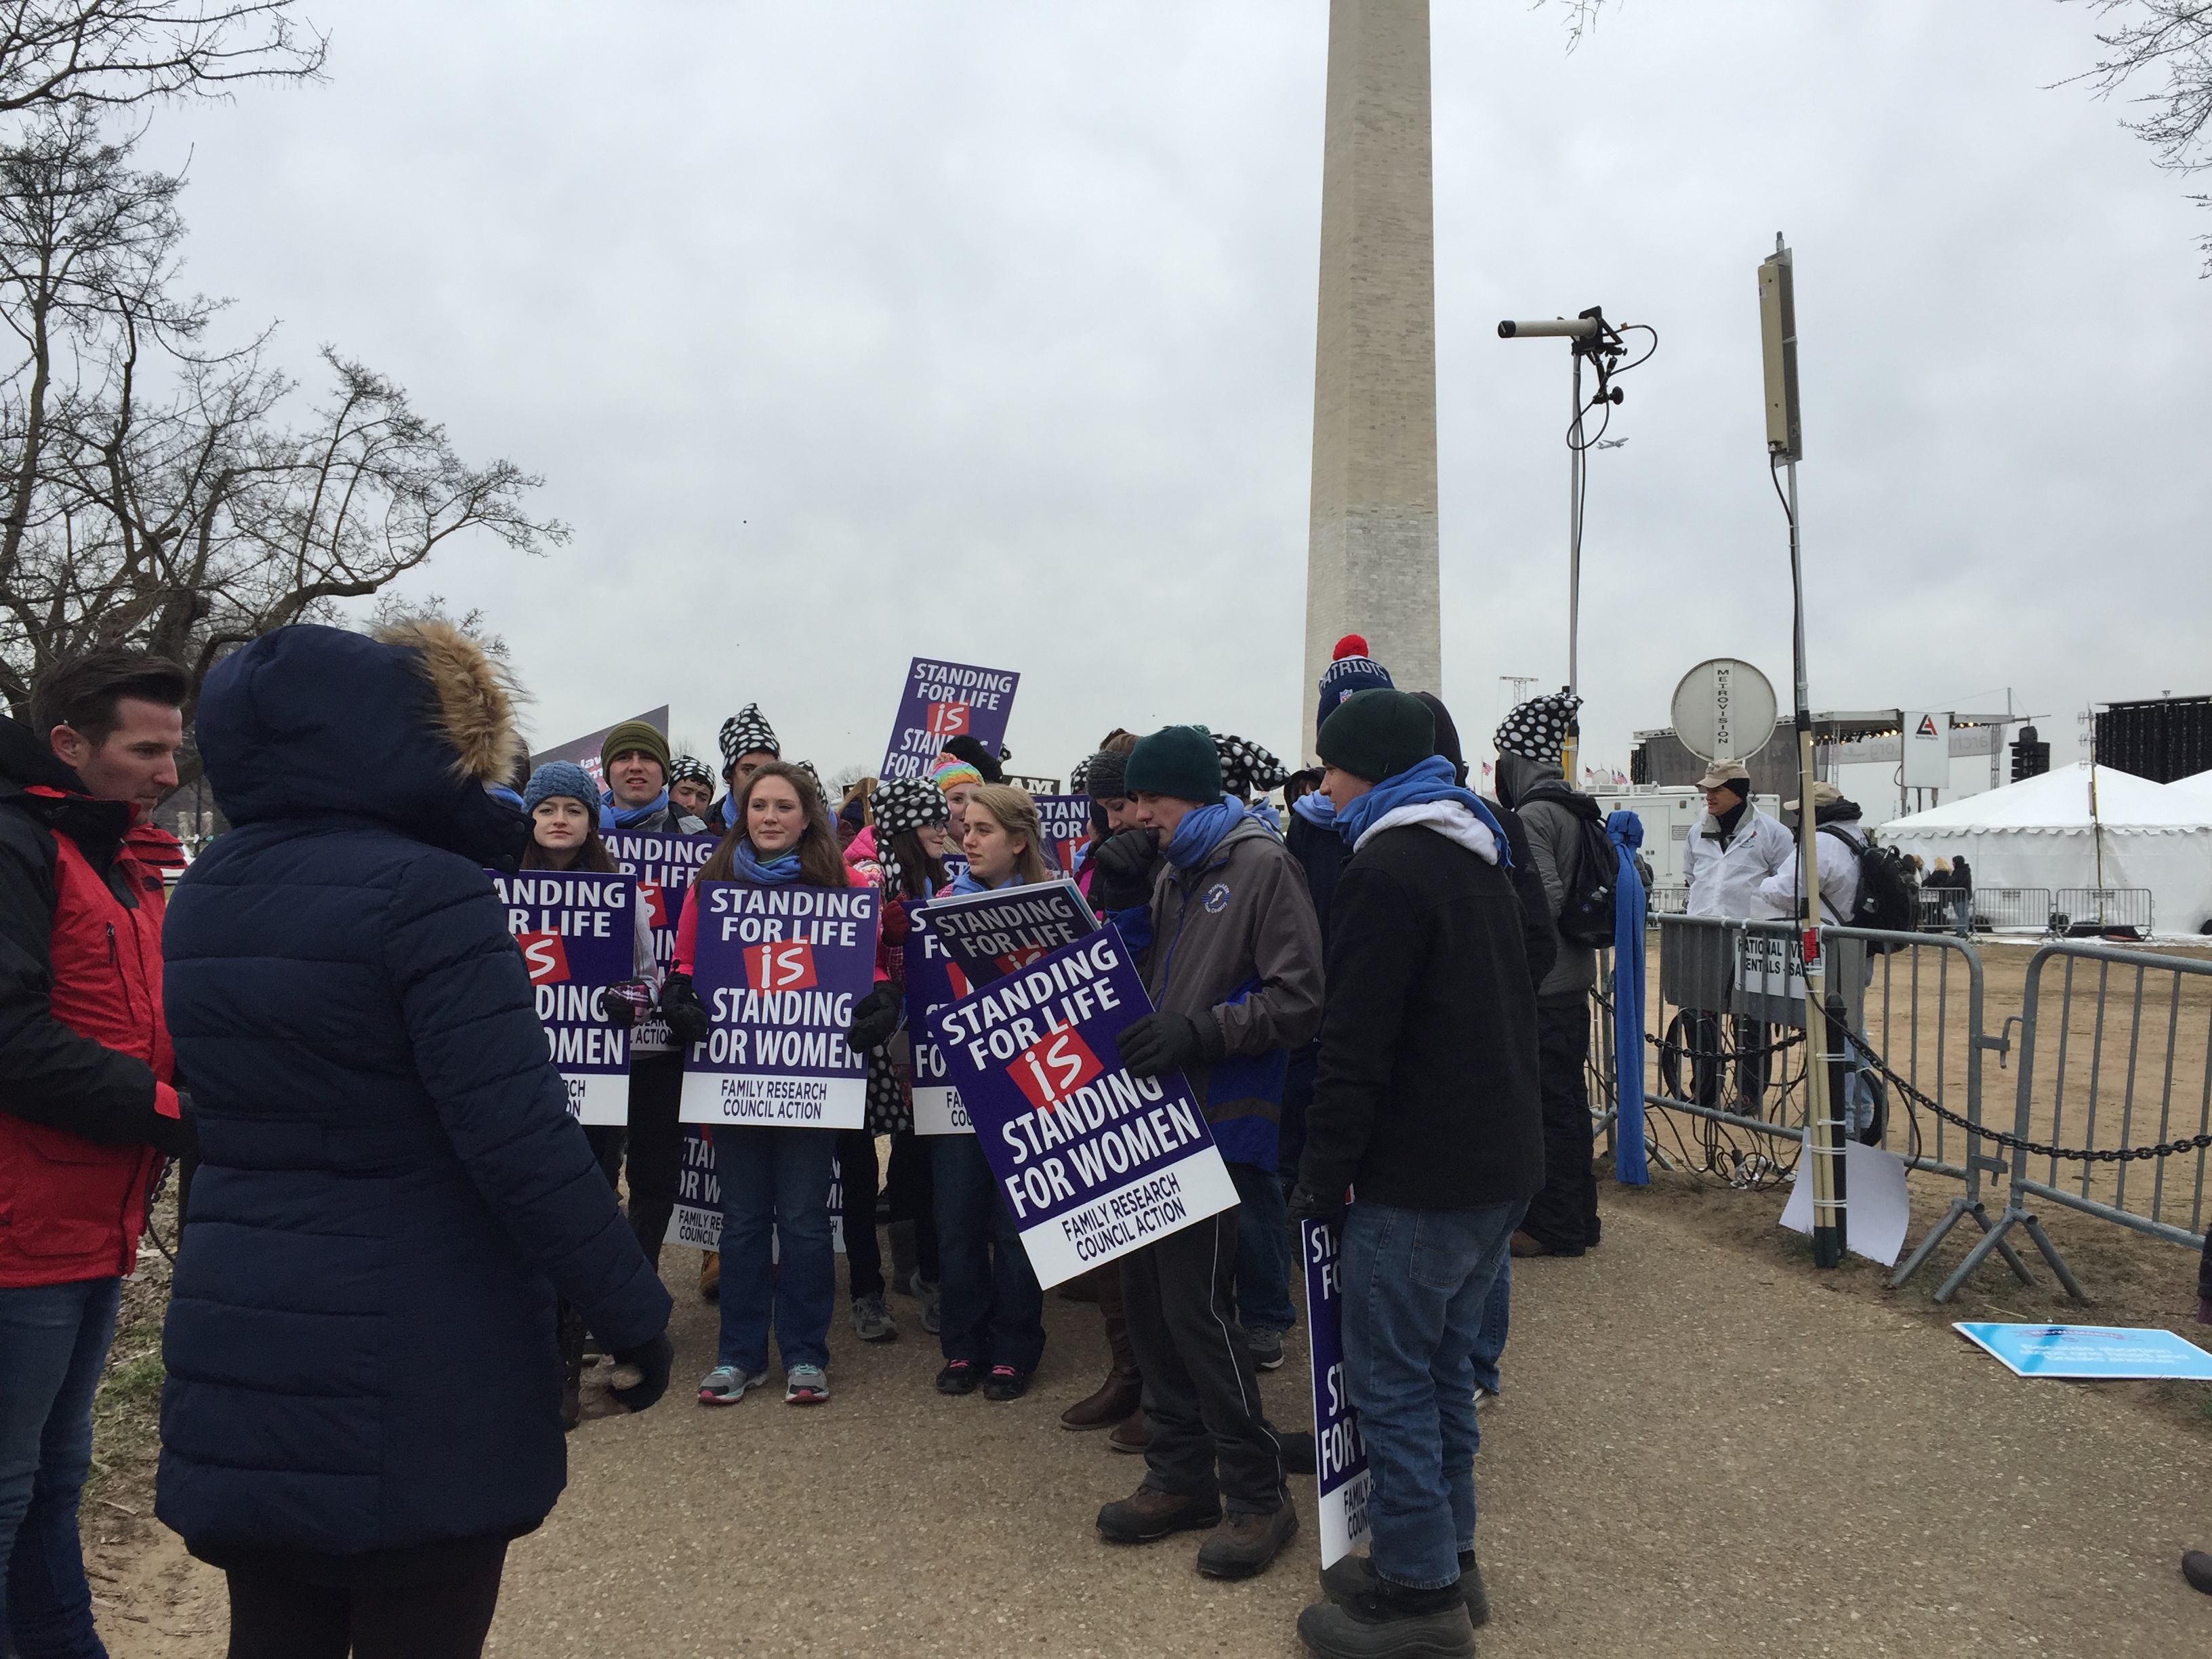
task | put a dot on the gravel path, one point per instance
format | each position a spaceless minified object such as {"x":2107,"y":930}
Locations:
{"x":1701,"y":1452}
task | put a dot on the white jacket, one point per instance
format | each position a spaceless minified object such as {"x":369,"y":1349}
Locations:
{"x":1839,"y":877}
{"x":1724,"y":881}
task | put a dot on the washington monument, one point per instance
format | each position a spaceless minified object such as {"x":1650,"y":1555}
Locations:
{"x":1371,"y":552}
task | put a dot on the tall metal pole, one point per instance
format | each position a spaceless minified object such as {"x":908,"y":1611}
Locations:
{"x":1825,"y":1131}
{"x":1571,"y":754}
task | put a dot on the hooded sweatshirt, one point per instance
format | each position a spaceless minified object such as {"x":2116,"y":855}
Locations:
{"x":1538,"y":791}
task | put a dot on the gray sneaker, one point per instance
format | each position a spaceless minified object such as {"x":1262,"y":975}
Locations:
{"x":1266,"y":1347}
{"x":726,"y":1385}
{"x":805,"y":1385}
{"x":928,"y":1296}
{"x":872,"y":1321}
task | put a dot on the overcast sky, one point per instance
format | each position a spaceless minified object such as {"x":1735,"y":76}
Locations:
{"x":843,"y":334}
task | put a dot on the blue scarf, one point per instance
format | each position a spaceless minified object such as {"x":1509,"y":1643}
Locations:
{"x":776,"y":873}
{"x":963,"y":881}
{"x":1433,"y":780}
{"x":1625,"y":831}
{"x":611,"y":818}
{"x":1315,"y":808}
{"x":1202,"y":829}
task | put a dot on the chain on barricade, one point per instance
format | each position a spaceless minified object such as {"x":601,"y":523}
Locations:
{"x":2034,"y":1149}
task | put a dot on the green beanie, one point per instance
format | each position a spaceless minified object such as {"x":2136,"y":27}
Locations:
{"x":1180,"y":761}
{"x":634,"y":734}
{"x":1378,"y":734}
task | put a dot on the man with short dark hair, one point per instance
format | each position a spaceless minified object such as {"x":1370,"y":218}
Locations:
{"x":635,"y":761}
{"x":748,"y":743}
{"x":89,"y":1108}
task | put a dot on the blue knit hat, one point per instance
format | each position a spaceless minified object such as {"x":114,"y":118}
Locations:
{"x":560,"y":778}
{"x":1352,"y":671}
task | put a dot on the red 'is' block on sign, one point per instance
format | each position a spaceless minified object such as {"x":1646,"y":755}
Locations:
{"x":545,"y":957}
{"x":782,"y":965}
{"x":1054,"y":1067}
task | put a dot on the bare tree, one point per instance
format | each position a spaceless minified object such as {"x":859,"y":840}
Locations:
{"x":2171,"y":38}
{"x":156,"y":491}
{"x":116,"y":52}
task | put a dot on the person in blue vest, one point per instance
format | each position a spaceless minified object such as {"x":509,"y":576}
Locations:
{"x":364,"y":1399}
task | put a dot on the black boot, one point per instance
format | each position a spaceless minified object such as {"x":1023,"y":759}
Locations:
{"x":1390,"y":1622}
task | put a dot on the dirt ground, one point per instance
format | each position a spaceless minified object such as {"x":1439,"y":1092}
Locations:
{"x":1706,"y":1448}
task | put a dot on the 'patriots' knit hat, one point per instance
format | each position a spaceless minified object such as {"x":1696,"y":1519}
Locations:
{"x":1537,"y":730}
{"x":1352,"y":671}
{"x":746,"y":733}
{"x":1246,"y":767}
{"x":691,"y":768}
{"x":561,"y":778}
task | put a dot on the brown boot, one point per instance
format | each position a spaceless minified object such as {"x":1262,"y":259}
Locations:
{"x":1130,"y":1435}
{"x":710,"y":1277}
{"x":1242,"y":1545}
{"x":1145,"y":1515}
{"x":1117,"y":1397}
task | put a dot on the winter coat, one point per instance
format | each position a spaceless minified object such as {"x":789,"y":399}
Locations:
{"x":1322,"y":852}
{"x":1837,"y":844}
{"x":361,"y":1341}
{"x":1427,"y":1093}
{"x":1539,"y":791}
{"x":1724,"y":874}
{"x":1233,"y":938}
{"x":85,"y":1063}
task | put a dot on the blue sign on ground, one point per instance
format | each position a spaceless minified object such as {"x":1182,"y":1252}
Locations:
{"x":780,"y":969}
{"x":1091,"y":1163}
{"x":578,"y":935}
{"x":1345,"y":1482}
{"x":2111,"y":1351}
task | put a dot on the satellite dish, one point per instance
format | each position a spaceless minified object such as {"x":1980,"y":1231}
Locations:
{"x":1724,"y":710}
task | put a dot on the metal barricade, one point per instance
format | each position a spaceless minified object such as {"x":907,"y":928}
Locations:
{"x":1668,"y":902}
{"x":2116,"y":1068}
{"x":2010,"y":910}
{"x":1941,"y":910}
{"x":2104,"y":907}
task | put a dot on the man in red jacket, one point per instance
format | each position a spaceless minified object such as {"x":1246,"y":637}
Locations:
{"x":88,"y":1108}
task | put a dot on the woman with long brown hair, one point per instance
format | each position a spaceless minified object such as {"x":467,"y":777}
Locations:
{"x":776,"y":1182}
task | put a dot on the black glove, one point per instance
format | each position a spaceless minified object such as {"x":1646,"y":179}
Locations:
{"x":681,"y":1007}
{"x":176,"y":1137}
{"x":656,"y":1360}
{"x":628,"y":1004}
{"x":875,"y":1017}
{"x":1125,"y":863}
{"x":1168,"y":1041}
{"x":1307,"y":1204}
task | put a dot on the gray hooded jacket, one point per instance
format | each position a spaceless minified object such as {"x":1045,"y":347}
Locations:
{"x":1555,"y":837}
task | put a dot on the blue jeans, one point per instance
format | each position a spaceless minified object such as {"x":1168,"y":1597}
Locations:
{"x":53,"y":1345}
{"x":1263,"y":1252}
{"x":775,"y":1191}
{"x":1490,"y":1340}
{"x":990,"y":1311}
{"x":1416,"y":1283}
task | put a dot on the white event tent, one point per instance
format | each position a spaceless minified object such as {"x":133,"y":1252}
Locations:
{"x":2040,"y":833}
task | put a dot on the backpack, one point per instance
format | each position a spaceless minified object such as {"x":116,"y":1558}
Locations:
{"x":1885,"y":901}
{"x":1586,"y":907}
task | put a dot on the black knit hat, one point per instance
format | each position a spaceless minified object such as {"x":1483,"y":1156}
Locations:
{"x":1447,"y":734}
{"x":1377,"y":734}
{"x":1104,"y":776}
{"x":973,"y":750}
{"x":1537,"y":730}
{"x":746,"y":733}
{"x":1246,"y":767}
{"x":1179,"y":760}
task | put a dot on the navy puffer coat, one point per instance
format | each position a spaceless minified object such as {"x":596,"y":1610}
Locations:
{"x":361,"y":1346}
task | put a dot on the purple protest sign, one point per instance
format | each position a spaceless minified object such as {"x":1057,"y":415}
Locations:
{"x":1091,"y":1163}
{"x":1065,"y":821}
{"x":663,"y":865}
{"x":578,"y":935}
{"x":1345,"y":1482}
{"x":945,"y":700}
{"x":990,"y":933}
{"x":780,"y":969}
{"x":932,"y":982}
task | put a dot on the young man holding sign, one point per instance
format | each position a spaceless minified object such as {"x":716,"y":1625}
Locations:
{"x":1230,"y":954}
{"x":1427,"y":1106}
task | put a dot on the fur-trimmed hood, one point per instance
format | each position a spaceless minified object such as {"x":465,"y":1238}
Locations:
{"x":406,"y":727}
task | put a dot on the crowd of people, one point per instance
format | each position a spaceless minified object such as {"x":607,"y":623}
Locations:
{"x":1377,"y":994}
